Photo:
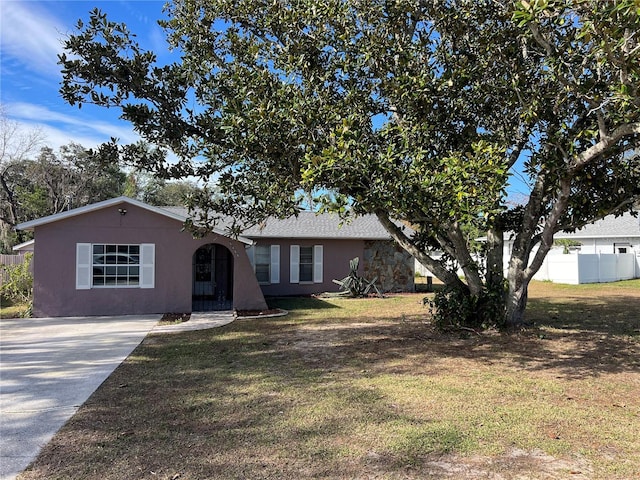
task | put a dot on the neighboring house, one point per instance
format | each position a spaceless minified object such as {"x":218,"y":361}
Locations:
{"x":609,"y":250}
{"x":24,"y":247}
{"x":122,"y":256}
{"x":608,"y":235}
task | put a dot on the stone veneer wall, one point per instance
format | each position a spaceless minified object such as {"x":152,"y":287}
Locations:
{"x":393,"y":266}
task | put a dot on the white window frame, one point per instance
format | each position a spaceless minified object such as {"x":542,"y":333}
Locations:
{"x":274,"y":262}
{"x":317,"y":262}
{"x":622,"y":245}
{"x":84,"y":267}
{"x":309,"y":265}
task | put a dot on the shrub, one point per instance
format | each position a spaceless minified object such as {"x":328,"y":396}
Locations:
{"x":566,"y":243}
{"x":454,"y":309}
{"x":19,"y":285}
{"x":354,"y":284}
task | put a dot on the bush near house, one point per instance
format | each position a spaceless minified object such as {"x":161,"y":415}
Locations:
{"x":566,"y":244}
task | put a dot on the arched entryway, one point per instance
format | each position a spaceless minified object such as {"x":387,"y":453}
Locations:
{"x":212,"y":278}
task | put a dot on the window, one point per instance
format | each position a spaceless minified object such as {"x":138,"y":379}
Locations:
{"x":116,"y":265}
{"x":305,"y":264}
{"x":623,"y":247}
{"x":266,"y":263}
{"x":110,"y":265}
{"x":263,"y":263}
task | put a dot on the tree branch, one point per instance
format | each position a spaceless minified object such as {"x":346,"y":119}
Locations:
{"x":599,"y":148}
{"x":449,"y":278}
{"x":550,"y":224}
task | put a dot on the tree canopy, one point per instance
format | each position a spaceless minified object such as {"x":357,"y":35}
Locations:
{"x":50,"y":182}
{"x":418,"y":111}
{"x":36,"y":183}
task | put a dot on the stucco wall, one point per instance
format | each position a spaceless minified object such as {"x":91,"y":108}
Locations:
{"x":54,"y":265}
{"x":336,"y":256}
{"x":393,"y":266}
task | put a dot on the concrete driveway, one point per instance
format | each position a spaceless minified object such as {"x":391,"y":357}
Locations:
{"x":48,"y":368}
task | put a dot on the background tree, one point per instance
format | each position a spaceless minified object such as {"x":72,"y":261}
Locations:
{"x":162,"y":193}
{"x":70,"y":178}
{"x":158,"y":191}
{"x":415,"y":111}
{"x":16,"y":144}
{"x":54,"y":182}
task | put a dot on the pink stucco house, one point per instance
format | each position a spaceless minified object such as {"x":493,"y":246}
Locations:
{"x":122,"y":256}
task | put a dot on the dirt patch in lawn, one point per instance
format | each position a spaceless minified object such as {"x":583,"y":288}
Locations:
{"x":174,"y":318}
{"x":260,"y":313}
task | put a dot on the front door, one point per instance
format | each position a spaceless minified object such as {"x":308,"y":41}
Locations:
{"x":212,"y":278}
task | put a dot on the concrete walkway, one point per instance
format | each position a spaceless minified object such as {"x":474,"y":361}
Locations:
{"x":50,"y":366}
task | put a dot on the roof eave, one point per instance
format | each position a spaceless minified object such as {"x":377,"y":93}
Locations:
{"x":313,"y":237}
{"x":22,"y":245}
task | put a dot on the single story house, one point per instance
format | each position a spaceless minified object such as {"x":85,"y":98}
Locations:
{"x":606,"y":250}
{"x":609,"y":235}
{"x":122,"y":256}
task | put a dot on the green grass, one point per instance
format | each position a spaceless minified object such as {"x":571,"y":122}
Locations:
{"x":366,"y":388}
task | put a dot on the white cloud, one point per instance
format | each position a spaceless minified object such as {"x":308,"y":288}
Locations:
{"x":30,"y":35}
{"x":61,"y":129}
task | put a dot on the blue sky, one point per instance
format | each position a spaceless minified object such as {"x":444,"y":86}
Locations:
{"x":31,"y":35}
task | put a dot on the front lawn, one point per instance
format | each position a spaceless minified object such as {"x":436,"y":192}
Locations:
{"x":345,"y":389}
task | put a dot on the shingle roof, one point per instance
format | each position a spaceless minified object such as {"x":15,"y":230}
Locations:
{"x":624,"y":226}
{"x":312,"y":225}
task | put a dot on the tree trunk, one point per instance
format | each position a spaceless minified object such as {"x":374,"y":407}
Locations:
{"x":516,"y":303}
{"x":449,"y":278}
{"x":518,"y":291}
{"x":495,"y":258}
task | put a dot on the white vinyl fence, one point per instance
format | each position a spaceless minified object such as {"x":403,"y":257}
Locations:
{"x":579,"y":268}
{"x":576,"y":268}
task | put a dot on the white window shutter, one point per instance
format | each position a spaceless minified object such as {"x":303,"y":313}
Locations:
{"x":294,"y":264}
{"x":147,"y":265}
{"x":275,"y":264}
{"x":317,"y":264}
{"x":84,"y":271}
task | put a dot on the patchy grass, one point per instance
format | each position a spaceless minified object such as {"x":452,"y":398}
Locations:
{"x":9,"y":309}
{"x":365,"y":388}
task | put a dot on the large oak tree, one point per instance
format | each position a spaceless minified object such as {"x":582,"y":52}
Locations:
{"x":422,"y":111}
